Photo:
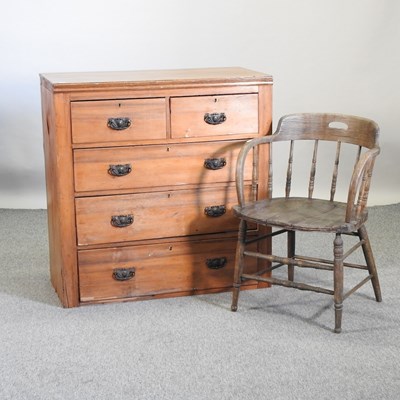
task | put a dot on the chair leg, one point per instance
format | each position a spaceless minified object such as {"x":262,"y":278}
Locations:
{"x":291,"y":251}
{"x":369,"y":258}
{"x":237,"y":280}
{"x":338,"y":280}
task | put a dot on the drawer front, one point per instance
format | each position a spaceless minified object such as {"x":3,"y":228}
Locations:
{"x":118,"y":120}
{"x":214,"y":115}
{"x":158,"y":165}
{"x":157,"y":269}
{"x":141,"y":216}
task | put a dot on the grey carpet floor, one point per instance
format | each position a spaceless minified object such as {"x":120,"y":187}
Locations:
{"x":279,"y":345}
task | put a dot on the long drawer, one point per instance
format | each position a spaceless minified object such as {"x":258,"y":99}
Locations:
{"x":141,"y":216}
{"x":118,"y":120}
{"x":201,"y":116}
{"x":148,"y":270}
{"x":158,"y":165}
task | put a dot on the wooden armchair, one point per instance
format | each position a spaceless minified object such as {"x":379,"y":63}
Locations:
{"x":308,"y":212}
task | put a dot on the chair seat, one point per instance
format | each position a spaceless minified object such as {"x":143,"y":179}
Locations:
{"x":297,"y":213}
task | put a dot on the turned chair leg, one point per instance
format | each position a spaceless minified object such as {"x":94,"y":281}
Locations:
{"x":369,"y":258}
{"x":291,"y":249}
{"x":338,"y":281}
{"x":237,"y":280}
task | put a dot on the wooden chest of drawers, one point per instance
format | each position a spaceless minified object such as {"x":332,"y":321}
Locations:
{"x":140,"y":172}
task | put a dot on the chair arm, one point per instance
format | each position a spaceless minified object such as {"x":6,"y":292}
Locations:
{"x":359,"y":184}
{"x":249,"y":145}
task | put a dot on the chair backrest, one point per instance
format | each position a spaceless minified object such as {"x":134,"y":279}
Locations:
{"x":317,"y":128}
{"x":334,"y":127}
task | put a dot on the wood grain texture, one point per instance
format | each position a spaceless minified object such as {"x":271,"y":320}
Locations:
{"x":360,"y":132}
{"x":166,"y":190}
{"x":301,"y":214}
{"x":335,"y":127}
{"x":307,"y":213}
{"x":159,"y":269}
{"x":93,"y":81}
{"x":156,"y":215}
{"x":182,"y":164}
{"x":187,"y":115}
{"x":60,"y":199}
{"x":89,"y":120}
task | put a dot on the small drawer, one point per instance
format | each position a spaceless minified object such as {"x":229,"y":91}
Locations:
{"x":157,"y":165}
{"x":118,"y":120}
{"x":201,"y":116}
{"x":150,"y":270}
{"x":142,"y":216}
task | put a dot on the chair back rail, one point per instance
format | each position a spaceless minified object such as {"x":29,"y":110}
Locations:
{"x":334,"y":127}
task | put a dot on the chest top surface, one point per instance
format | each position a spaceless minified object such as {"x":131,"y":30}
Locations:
{"x":72,"y":81}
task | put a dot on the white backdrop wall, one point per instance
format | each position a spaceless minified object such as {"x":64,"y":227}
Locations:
{"x":325,"y":55}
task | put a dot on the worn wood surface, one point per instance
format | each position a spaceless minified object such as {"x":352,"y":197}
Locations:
{"x":121,"y":80}
{"x":159,"y":269}
{"x":60,"y":198}
{"x":182,"y":164}
{"x":90,"y":118}
{"x":187,"y":115}
{"x":308,"y":213}
{"x":324,"y":126}
{"x":301,"y":214}
{"x":168,"y":187}
{"x":155,"y":215}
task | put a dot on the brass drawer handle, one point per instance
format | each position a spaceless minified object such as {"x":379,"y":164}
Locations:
{"x":216,"y":263}
{"x":121,"y":221}
{"x":215,"y":211}
{"x":214,"y":163}
{"x":123,"y":274}
{"x":119,"y":124}
{"x":120,"y":169}
{"x":214,"y":118}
